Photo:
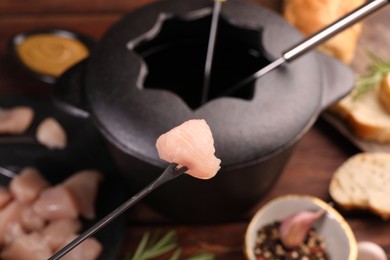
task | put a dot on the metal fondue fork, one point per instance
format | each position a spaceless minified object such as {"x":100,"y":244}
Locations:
{"x":309,"y":43}
{"x":170,"y":173}
{"x":210,"y":49}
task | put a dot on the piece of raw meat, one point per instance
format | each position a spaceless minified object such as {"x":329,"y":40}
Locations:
{"x":56,"y":202}
{"x":190,"y":144}
{"x":84,"y":186}
{"x":27,"y":185}
{"x":27,"y":247}
{"x":10,"y":226}
{"x":5,"y":197}
{"x":56,"y":233}
{"x":51,"y":134}
{"x":30,"y":220}
{"x":15,"y":120}
{"x":89,"y":249}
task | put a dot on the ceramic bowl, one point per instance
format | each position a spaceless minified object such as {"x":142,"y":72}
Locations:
{"x":54,"y":53}
{"x":337,"y":234}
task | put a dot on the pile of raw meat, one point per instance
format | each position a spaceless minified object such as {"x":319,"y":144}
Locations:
{"x":37,"y":218}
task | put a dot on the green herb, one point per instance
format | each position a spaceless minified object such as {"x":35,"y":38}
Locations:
{"x":378,"y":70}
{"x":202,"y":256}
{"x":176,"y":254}
{"x":151,"y":247}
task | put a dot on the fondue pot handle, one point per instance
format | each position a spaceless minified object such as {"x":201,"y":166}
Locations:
{"x":338,"y":80}
{"x":68,"y":92}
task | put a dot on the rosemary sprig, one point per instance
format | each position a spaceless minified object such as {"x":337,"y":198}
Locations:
{"x":202,"y":256}
{"x":151,"y":247}
{"x":378,"y":70}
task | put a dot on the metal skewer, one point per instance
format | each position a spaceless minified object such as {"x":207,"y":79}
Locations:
{"x":309,"y":43}
{"x":210,"y":49}
{"x":7,"y":173}
{"x":170,"y":173}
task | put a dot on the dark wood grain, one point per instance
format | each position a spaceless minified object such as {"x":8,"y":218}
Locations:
{"x":309,"y":171}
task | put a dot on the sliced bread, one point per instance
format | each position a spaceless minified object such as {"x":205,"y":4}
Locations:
{"x":384,"y":93}
{"x":363,"y":182}
{"x":366,"y":116}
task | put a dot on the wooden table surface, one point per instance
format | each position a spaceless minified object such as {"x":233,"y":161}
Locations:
{"x":309,"y":170}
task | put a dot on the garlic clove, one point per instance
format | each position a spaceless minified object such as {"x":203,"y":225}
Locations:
{"x":294,"y":228}
{"x":370,"y":251}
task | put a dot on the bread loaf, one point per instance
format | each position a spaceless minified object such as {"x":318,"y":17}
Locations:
{"x":310,"y":16}
{"x":366,"y":116}
{"x":363,"y":182}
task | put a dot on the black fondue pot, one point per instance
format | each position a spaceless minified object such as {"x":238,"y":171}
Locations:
{"x":145,"y":77}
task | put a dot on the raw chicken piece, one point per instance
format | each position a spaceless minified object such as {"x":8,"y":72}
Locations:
{"x":30,"y":220}
{"x":5,"y":197}
{"x":190,"y":144}
{"x":27,"y":185}
{"x":84,"y":186}
{"x":56,"y":202}
{"x":89,"y":249}
{"x":15,"y":120}
{"x":56,"y":233}
{"x":27,"y":247}
{"x":10,"y":226}
{"x":51,"y":134}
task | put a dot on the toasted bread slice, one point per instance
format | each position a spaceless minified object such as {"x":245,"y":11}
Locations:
{"x":363,"y":182}
{"x":384,"y":93}
{"x":366,"y":116}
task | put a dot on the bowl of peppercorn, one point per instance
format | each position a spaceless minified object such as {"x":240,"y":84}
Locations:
{"x":299,"y":227}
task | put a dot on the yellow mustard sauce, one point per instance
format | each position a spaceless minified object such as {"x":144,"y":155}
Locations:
{"x":51,"y":54}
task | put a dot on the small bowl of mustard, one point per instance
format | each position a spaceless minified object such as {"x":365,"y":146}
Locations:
{"x":47,"y":54}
